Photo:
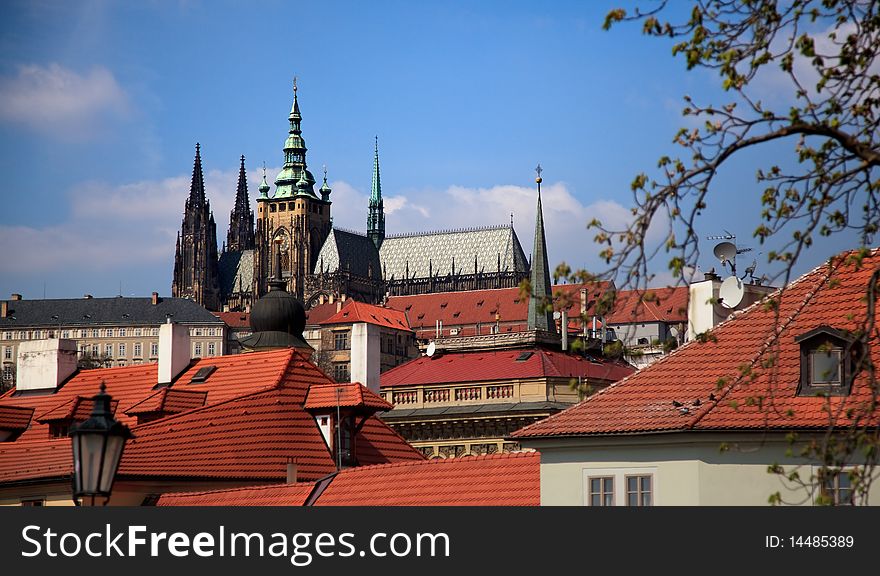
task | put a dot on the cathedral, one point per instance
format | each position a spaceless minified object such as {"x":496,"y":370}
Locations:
{"x":318,"y":261}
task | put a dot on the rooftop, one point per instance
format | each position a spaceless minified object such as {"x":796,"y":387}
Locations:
{"x":354,"y":311}
{"x":118,"y":311}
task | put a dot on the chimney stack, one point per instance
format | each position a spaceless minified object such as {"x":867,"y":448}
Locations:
{"x":4,"y":309}
{"x":155,"y":298}
{"x":365,"y":355}
{"x":16,"y":296}
{"x":564,"y":330}
{"x":291,"y":470}
{"x":44,"y":364}
{"x":174,"y":352}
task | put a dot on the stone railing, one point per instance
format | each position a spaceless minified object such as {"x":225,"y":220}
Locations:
{"x":424,"y":397}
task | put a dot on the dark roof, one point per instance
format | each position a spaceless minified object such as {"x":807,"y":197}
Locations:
{"x":349,"y":252}
{"x":236,"y":271}
{"x":104,"y":311}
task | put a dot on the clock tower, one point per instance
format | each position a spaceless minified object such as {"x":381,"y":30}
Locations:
{"x":294,"y":217}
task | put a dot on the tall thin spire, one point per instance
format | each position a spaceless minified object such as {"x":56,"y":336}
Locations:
{"x":241,"y":219}
{"x":376,"y":216}
{"x":197,"y":186}
{"x":540,"y":317}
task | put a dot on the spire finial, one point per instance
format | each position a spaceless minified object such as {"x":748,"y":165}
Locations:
{"x":511,"y":219}
{"x":294,"y":85}
{"x":325,"y":173}
{"x":538,"y":171}
{"x":377,"y":143}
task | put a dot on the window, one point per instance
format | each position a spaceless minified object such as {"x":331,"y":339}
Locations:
{"x":7,"y":352}
{"x":138,"y":332}
{"x":198,"y":331}
{"x":602,"y":491}
{"x":825,"y":367}
{"x":837,"y":488}
{"x":109,"y":333}
{"x":95,"y":350}
{"x":154,"y":349}
{"x":33,"y":502}
{"x":94,"y":332}
{"x":38,"y":334}
{"x":7,"y":372}
{"x":65,"y":334}
{"x":340,"y":372}
{"x":155,"y":332}
{"x":83,"y":333}
{"x":638,"y":490}
{"x":7,"y":335}
{"x":212,"y":349}
{"x":197,"y":350}
{"x":340,"y":341}
{"x":108,"y":350}
{"x":122,"y":350}
{"x":122,"y":332}
{"x":137,"y":350}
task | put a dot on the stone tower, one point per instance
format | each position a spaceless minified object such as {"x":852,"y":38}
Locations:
{"x":196,"y":274}
{"x":241,"y":219}
{"x":294,"y":217}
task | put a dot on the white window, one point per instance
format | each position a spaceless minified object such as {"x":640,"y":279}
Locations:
{"x":620,"y":486}
{"x":198,"y":331}
{"x":38,"y":334}
{"x":155,"y":332}
{"x":197,"y":350}
{"x":137,"y":350}
{"x":83,"y":333}
{"x":94,"y":332}
{"x":65,"y":334}
{"x":154,"y":349}
{"x":108,"y":350}
{"x":109,"y":333}
{"x":212,"y":349}
{"x":7,"y":352}
{"x":122,"y":332}
{"x":94,"y":350}
{"x":138,"y":332}
{"x":122,"y":350}
{"x":7,"y":335}
{"x":7,"y":372}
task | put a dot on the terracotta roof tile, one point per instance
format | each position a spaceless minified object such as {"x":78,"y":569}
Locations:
{"x":350,"y":395}
{"x":25,"y":460}
{"x":316,"y":314}
{"x":681,"y":391}
{"x":501,"y":364}
{"x":495,"y":480}
{"x":77,"y":409}
{"x":272,"y":495}
{"x":355,"y":311}
{"x":651,"y":305}
{"x":235,"y":319}
{"x":15,"y":417}
{"x":169,"y":401}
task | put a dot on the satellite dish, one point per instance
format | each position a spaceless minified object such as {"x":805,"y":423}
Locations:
{"x":731,"y":292}
{"x":431,"y":349}
{"x":557,"y":315}
{"x":725,"y":251}
{"x":673,"y":331}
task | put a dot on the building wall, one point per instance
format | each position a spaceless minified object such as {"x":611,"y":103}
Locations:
{"x":686,"y":470}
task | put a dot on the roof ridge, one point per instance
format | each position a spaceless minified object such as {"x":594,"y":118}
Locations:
{"x":440,"y":461}
{"x":241,"y":489}
{"x":449,"y":231}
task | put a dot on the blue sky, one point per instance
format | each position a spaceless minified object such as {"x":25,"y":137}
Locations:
{"x":101,"y":104}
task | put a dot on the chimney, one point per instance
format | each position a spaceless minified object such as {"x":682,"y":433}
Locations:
{"x":174,"y":351}
{"x":291,"y":470}
{"x":564,"y":330}
{"x":44,"y":364}
{"x":365,"y":355}
{"x":338,"y":305}
{"x":4,"y":309}
{"x":154,"y":299}
{"x":16,"y":296}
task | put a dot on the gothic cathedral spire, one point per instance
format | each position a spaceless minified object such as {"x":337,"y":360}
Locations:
{"x":241,"y":219}
{"x":540,"y":316}
{"x":376,"y":217}
{"x":196,"y":274}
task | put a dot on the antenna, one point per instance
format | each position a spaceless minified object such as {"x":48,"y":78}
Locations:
{"x":731,"y":292}
{"x":432,"y":348}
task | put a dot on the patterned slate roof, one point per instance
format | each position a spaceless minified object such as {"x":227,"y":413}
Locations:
{"x":354,"y":311}
{"x":350,"y":395}
{"x":489,"y":365}
{"x":494,"y":480}
{"x":416,"y":251}
{"x":236,"y":271}
{"x":349,"y":251}
{"x":15,"y":417}
{"x":272,"y":495}
{"x":705,"y":379}
{"x":119,"y":311}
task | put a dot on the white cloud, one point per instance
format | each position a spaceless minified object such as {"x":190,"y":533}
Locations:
{"x":57,"y":100}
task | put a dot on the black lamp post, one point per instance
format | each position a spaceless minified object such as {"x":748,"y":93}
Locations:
{"x":97,"y":450}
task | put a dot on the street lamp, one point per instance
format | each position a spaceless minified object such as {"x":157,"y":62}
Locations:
{"x":97,"y":449}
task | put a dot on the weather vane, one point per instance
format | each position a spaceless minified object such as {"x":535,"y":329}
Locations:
{"x":294,"y":83}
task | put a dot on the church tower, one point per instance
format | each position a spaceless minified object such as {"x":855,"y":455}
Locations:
{"x":376,"y":217}
{"x":540,"y":317}
{"x":196,"y":274}
{"x":241,"y":219}
{"x":294,"y":217}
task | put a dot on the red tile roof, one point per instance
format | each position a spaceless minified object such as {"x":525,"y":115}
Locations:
{"x":495,"y":480}
{"x":77,"y":409}
{"x":169,"y":401}
{"x":705,"y":380}
{"x":471,"y":307}
{"x":235,"y":319}
{"x":350,"y":395}
{"x":355,"y":311}
{"x":317,"y":314}
{"x":500,"y":365}
{"x":15,"y":417}
{"x":651,"y":305}
{"x":27,"y":460}
{"x":272,"y":495}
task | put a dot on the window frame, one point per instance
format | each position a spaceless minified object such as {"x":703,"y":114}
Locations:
{"x":603,"y":492}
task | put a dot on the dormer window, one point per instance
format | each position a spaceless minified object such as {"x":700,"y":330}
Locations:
{"x":827,"y":362}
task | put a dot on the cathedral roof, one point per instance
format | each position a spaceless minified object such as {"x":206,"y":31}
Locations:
{"x":236,"y":272}
{"x":349,"y":251}
{"x":436,"y":251}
